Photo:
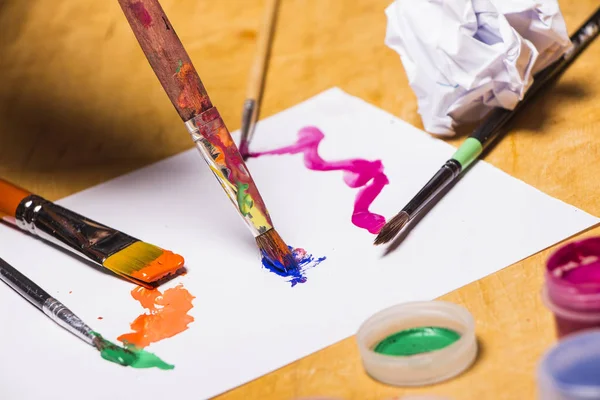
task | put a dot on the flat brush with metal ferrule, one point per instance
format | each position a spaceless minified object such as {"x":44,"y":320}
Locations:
{"x":178,"y":77}
{"x":142,"y":263}
{"x":490,"y":130}
{"x":59,"y":313}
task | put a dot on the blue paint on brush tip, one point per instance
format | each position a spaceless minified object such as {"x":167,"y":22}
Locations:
{"x":303,"y":261}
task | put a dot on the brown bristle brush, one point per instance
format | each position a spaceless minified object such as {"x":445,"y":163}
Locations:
{"x":142,"y":263}
{"x":178,"y":77}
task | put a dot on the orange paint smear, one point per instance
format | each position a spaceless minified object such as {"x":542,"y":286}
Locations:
{"x":166,"y":317}
{"x":167,"y":263}
{"x":189,"y":96}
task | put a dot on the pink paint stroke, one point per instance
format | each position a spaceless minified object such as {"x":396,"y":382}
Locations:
{"x":358,"y":173}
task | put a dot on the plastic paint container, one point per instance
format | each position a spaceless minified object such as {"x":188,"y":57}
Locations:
{"x":572,"y":286}
{"x":442,"y":361}
{"x":571,"y":369}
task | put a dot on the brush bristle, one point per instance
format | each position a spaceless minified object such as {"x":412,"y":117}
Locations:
{"x":392,"y":228}
{"x":144,"y":263}
{"x":114,"y":353}
{"x":274,"y":248}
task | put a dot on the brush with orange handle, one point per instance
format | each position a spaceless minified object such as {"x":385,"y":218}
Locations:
{"x":142,"y":263}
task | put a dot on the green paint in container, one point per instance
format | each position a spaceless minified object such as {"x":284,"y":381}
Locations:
{"x":414,"y":341}
{"x":417,"y":343}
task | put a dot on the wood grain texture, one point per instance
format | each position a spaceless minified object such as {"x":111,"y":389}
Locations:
{"x":67,"y":124}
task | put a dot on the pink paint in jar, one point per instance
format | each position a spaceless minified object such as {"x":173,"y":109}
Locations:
{"x":572,"y":286}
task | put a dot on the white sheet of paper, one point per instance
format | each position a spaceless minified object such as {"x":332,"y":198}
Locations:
{"x":249,"y":321}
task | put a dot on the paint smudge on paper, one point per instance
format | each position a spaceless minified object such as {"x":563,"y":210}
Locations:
{"x":358,"y":173}
{"x":166,"y":317}
{"x":130,"y":356}
{"x":304,"y":260}
{"x":141,"y":14}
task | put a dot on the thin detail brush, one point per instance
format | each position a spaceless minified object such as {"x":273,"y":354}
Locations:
{"x":257,"y":76}
{"x":490,"y":130}
{"x":59,"y":313}
{"x":142,"y":263}
{"x":178,"y":77}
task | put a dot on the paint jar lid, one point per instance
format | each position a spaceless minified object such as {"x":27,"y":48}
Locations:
{"x":443,"y":343}
{"x":569,"y":369}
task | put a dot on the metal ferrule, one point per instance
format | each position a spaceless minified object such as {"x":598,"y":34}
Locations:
{"x":74,"y":232}
{"x":64,"y":317}
{"x":249,"y":119}
{"x":445,"y":175}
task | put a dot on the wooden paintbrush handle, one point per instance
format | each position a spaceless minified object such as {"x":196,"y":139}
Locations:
{"x":10,"y":197}
{"x":263,"y":45}
{"x":167,"y":57}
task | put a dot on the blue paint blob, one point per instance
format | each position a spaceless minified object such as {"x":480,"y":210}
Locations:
{"x":304,"y":260}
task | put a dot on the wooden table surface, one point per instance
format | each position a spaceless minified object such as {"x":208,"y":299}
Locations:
{"x":79,"y":105}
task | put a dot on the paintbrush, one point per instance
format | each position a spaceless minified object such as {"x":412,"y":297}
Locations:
{"x":489,"y":131}
{"x":142,"y":263}
{"x":59,"y":313}
{"x":258,"y":72}
{"x":178,"y":77}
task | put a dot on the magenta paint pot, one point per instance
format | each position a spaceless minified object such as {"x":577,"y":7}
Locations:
{"x":572,"y":286}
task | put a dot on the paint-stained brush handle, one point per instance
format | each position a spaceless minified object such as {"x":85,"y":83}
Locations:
{"x":180,"y":80}
{"x":167,"y":56}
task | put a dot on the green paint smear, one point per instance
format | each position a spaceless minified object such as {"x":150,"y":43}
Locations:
{"x":244,"y":200}
{"x":179,"y":65}
{"x":131,"y":356}
{"x":416,"y":341}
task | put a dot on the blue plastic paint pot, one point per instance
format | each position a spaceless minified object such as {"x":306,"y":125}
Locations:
{"x":571,"y":369}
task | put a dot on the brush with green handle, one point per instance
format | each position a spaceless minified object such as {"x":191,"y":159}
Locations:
{"x":482,"y":138}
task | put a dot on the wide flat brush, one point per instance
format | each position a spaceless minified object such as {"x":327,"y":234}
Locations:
{"x":178,"y":77}
{"x":142,"y":263}
{"x":486,"y":134}
{"x":59,"y":313}
{"x":257,"y":76}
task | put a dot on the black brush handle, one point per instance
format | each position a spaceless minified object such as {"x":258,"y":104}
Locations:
{"x":23,"y":285}
{"x":492,"y":127}
{"x":498,"y":119}
{"x":443,"y":177}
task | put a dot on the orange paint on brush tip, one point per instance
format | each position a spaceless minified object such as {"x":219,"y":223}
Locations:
{"x":10,"y":197}
{"x":167,"y":263}
{"x":167,"y":315}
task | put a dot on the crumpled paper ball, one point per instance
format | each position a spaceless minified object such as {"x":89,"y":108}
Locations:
{"x":465,"y":57}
